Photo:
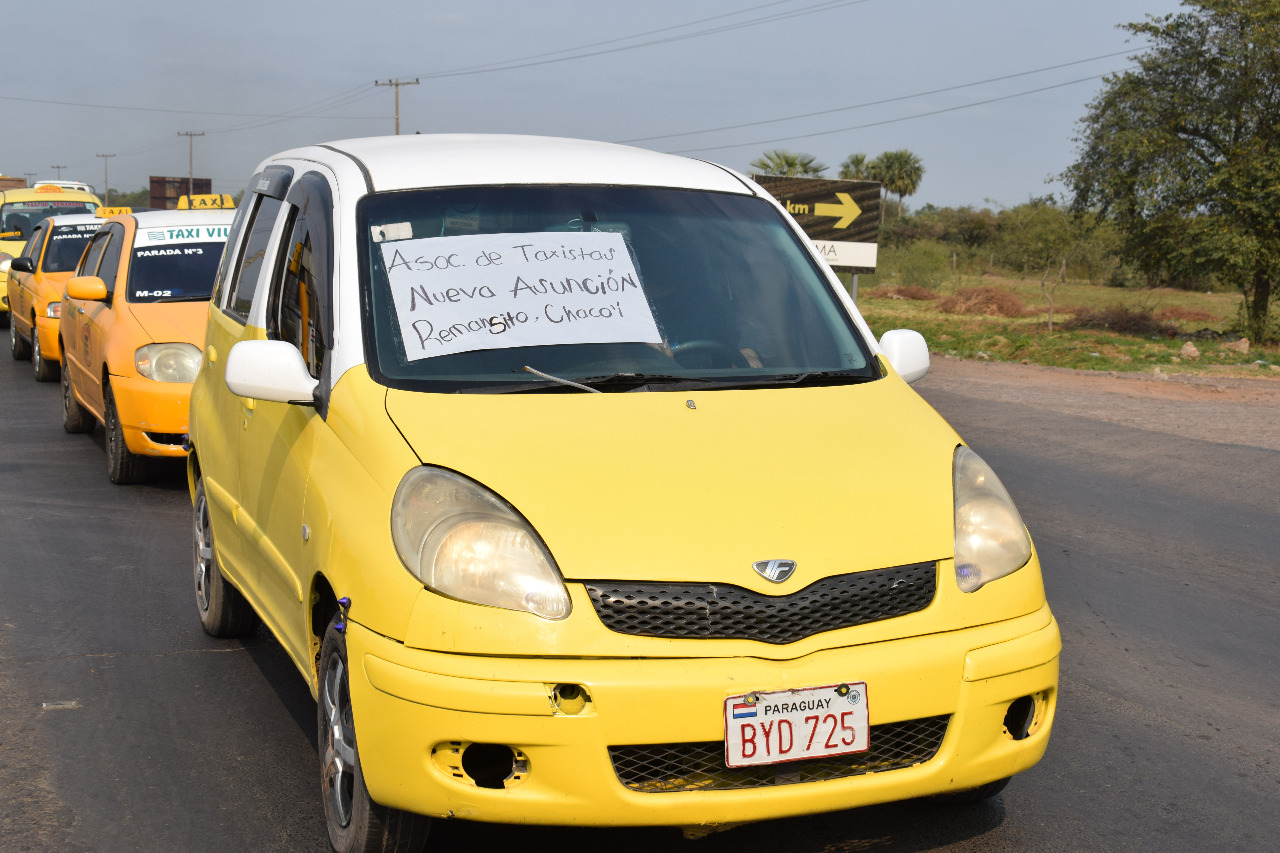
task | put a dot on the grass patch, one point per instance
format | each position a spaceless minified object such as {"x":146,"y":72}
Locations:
{"x":1026,"y":338}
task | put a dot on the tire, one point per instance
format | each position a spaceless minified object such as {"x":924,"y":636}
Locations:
{"x":356,"y":824}
{"x":45,"y":370}
{"x":223,"y":610}
{"x":21,"y":349}
{"x":974,"y":795}
{"x":123,"y":465}
{"x":75,"y":418}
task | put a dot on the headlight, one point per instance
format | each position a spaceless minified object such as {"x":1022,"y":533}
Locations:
{"x":991,"y":541}
{"x":168,"y":362}
{"x":463,"y":541}
{"x":53,"y":310}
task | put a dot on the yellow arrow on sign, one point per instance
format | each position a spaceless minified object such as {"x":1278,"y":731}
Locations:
{"x":847,"y":210}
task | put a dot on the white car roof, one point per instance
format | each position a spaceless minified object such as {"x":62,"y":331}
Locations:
{"x":165,"y":218}
{"x":75,"y":219}
{"x":442,"y":160}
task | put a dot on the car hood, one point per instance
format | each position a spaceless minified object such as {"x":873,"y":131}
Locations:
{"x":172,"y":322}
{"x":698,"y":486}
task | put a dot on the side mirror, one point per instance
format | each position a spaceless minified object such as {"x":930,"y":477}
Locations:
{"x":18,"y":265}
{"x":269,"y":370}
{"x":87,"y":287}
{"x":907,"y":352}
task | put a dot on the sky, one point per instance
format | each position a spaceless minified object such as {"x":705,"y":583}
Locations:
{"x":718,"y":80}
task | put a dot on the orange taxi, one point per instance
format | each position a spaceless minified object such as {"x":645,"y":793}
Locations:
{"x":21,"y":209}
{"x":132,"y":328}
{"x":37,"y":278}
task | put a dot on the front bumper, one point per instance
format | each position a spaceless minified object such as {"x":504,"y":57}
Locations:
{"x":410,"y":703}
{"x":47,"y":329}
{"x":154,"y":415}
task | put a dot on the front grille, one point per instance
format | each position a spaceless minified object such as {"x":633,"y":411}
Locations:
{"x":176,"y":438}
{"x":724,"y":612}
{"x":666,"y":767}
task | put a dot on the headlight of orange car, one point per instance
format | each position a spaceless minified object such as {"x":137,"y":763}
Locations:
{"x":991,"y":541}
{"x":463,"y":541}
{"x":53,"y":310}
{"x":168,"y":362}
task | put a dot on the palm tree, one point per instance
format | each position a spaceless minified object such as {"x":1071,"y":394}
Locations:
{"x":789,"y":164}
{"x":899,"y":171}
{"x":854,"y":168}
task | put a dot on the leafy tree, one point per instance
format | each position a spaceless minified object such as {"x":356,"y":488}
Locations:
{"x":854,"y":168}
{"x":789,"y":164}
{"x":900,"y":171}
{"x":1184,"y":151}
{"x":136,"y":199}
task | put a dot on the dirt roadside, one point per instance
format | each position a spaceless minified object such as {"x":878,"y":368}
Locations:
{"x":1226,"y":410}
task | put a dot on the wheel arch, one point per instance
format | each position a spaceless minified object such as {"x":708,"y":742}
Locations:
{"x":324,"y":604}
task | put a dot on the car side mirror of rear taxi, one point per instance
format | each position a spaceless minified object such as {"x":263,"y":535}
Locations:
{"x":87,"y":287}
{"x":907,"y":352}
{"x":270,"y":370}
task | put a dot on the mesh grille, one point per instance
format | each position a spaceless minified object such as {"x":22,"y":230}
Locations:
{"x":666,"y":767}
{"x":723,"y":612}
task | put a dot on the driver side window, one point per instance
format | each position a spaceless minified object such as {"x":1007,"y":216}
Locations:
{"x":293,"y":312}
{"x":89,"y":263}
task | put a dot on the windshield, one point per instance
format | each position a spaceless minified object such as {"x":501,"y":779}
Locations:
{"x":491,"y":288}
{"x":174,"y":272}
{"x":65,"y":246}
{"x":17,"y":218}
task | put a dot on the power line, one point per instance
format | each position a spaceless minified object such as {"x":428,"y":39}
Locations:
{"x":531,"y":61}
{"x":874,"y":103}
{"x":890,"y":120}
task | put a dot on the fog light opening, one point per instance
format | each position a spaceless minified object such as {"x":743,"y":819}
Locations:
{"x":1018,"y":719}
{"x":489,"y":764}
{"x":570,"y":698}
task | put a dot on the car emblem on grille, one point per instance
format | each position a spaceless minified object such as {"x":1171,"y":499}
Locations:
{"x":775,"y":570}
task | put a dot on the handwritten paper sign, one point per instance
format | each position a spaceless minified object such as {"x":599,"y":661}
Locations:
{"x":496,"y":291}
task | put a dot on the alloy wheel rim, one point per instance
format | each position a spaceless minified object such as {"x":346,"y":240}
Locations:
{"x":204,"y":555}
{"x":112,"y":450}
{"x":35,"y":350}
{"x":339,"y":742}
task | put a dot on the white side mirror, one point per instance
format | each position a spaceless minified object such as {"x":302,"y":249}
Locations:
{"x":269,"y":370}
{"x":907,"y":352}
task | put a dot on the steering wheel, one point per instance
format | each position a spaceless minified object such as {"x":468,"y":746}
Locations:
{"x":708,"y":345}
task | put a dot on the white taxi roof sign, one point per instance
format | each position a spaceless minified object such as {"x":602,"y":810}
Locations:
{"x":108,"y":212}
{"x":208,"y":201}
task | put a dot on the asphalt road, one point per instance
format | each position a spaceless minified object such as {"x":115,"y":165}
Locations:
{"x":1160,"y":554}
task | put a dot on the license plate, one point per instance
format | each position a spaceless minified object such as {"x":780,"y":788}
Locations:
{"x":792,"y":725}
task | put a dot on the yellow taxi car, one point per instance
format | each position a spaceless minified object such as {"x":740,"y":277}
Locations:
{"x":131,"y":329}
{"x":21,"y":209}
{"x":37,"y":279}
{"x":579,"y":492}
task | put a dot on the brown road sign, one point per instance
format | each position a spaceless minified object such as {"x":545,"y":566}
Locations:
{"x":838,"y":211}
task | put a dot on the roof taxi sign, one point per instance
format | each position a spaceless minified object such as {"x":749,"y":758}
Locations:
{"x":841,"y":217}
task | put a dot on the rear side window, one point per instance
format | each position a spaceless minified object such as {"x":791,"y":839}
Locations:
{"x":253,"y":258}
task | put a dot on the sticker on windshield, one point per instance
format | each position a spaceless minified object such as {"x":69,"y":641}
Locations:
{"x":497,"y":291}
{"x":192,"y":234}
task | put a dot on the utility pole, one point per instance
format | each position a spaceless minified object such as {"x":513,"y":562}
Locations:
{"x":29,"y":175}
{"x":191,"y":159}
{"x":59,"y":168}
{"x":106,"y":179}
{"x":397,"y":84}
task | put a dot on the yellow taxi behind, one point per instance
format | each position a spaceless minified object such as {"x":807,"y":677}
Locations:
{"x":37,"y":279}
{"x":579,"y":492}
{"x":131,"y":330}
{"x":21,"y":209}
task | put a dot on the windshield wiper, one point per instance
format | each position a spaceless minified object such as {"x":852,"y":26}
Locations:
{"x":638,"y":381}
{"x":810,"y":379}
{"x":558,"y":380}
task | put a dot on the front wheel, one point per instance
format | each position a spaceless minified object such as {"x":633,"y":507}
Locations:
{"x":45,"y":370}
{"x":123,"y":465}
{"x":356,"y":823}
